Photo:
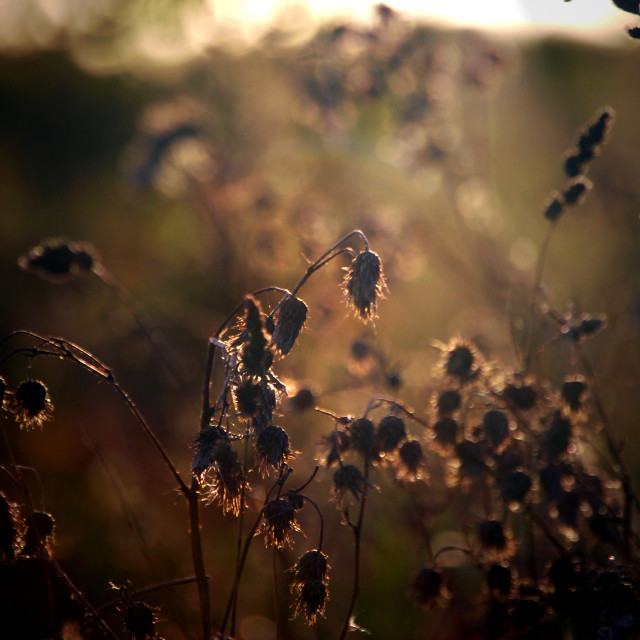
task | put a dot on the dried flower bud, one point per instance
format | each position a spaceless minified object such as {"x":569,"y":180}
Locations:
{"x":391,"y":432}
{"x":412,"y":460}
{"x":515,"y":487}
{"x":348,"y":479}
{"x":364,"y":284}
{"x":426,"y":586}
{"x":494,"y":542}
{"x":140,"y":620}
{"x":499,"y":579}
{"x":311,"y":600}
{"x":573,"y":392}
{"x":32,"y":405}
{"x":255,"y":355}
{"x":495,"y":426}
{"x":554,"y":207}
{"x":206,"y":443}
{"x":445,"y":433}
{"x":522,"y":396}
{"x":362,"y":438}
{"x":57,"y":259}
{"x":557,"y":437}
{"x":224,"y":478}
{"x":310,"y":566}
{"x":471,"y":456}
{"x":288,"y":321}
{"x":272,"y":447}
{"x":448,"y":402}
{"x":461,"y":361}
{"x":577,"y":190}
{"x":336,"y":443}
{"x":278,"y":521}
{"x":246,"y":396}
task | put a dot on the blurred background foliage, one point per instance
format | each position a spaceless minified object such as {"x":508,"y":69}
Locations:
{"x":201,"y":171}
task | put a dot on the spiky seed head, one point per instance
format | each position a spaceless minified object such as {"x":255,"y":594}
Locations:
{"x":335,"y":444}
{"x":311,"y":600}
{"x":364,"y":284}
{"x":246,"y":396}
{"x":523,"y":396}
{"x":255,"y":354}
{"x":288,"y":321}
{"x":278,"y":521}
{"x":426,"y":586}
{"x":272,"y":448}
{"x":310,"y":566}
{"x":140,"y":620}
{"x":348,"y":479}
{"x":224,"y":478}
{"x":391,"y":432}
{"x":495,"y":426}
{"x":576,"y":191}
{"x":206,"y":443}
{"x":461,"y":361}
{"x":32,"y":405}
{"x":472,"y":458}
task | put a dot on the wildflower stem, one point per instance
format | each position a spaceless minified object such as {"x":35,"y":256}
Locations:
{"x":542,"y":255}
{"x":357,"y":533}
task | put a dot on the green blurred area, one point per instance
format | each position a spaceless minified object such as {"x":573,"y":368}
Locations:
{"x":200,"y":181}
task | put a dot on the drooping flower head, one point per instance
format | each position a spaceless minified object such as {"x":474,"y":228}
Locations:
{"x":32,"y":404}
{"x":364,"y":284}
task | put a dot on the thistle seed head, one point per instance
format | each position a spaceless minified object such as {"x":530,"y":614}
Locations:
{"x":495,"y":426}
{"x":311,"y":600}
{"x":310,"y":566}
{"x":445,"y":433}
{"x":140,"y":620}
{"x":348,"y":479}
{"x":288,"y":321}
{"x":224,"y":478}
{"x":206,"y":443}
{"x":362,"y":438}
{"x":32,"y":405}
{"x":447,"y":402}
{"x":412,"y":461}
{"x":272,"y":448}
{"x":278,"y":521}
{"x":515,"y":487}
{"x":364,"y":284}
{"x":573,"y":392}
{"x":494,"y":541}
{"x":391,"y":432}
{"x":256,"y":357}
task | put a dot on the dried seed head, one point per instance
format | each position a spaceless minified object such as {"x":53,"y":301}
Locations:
{"x":39,"y":532}
{"x":412,"y":461}
{"x":8,"y":530}
{"x":224,"y":478}
{"x":573,"y":392}
{"x":32,"y":405}
{"x":263,"y":416}
{"x":272,"y":448}
{"x":288,"y":321}
{"x":302,"y":400}
{"x":461,"y":361}
{"x":576,"y":191}
{"x":445,"y":433}
{"x":471,"y":456}
{"x":391,"y":432}
{"x":310,"y":566}
{"x":554,"y":207}
{"x":206,"y":443}
{"x":362,"y":438}
{"x":140,"y":620}
{"x":255,"y":355}
{"x":495,"y":543}
{"x":246,"y":396}
{"x":522,"y":396}
{"x":426,"y":586}
{"x":557,"y":437}
{"x":515,"y":486}
{"x":364,"y":284}
{"x":335,"y":444}
{"x":448,"y":402}
{"x":312,"y":597}
{"x":495,"y":426}
{"x":499,"y":579}
{"x":278,"y":521}
{"x":348,"y":479}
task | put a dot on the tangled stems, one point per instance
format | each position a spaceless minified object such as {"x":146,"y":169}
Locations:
{"x":60,"y":348}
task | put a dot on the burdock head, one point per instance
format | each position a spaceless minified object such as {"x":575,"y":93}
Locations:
{"x":364,"y":284}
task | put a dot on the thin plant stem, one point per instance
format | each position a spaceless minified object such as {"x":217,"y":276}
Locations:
{"x":357,"y":534}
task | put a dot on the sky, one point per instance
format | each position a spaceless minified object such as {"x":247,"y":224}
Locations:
{"x":582,"y":18}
